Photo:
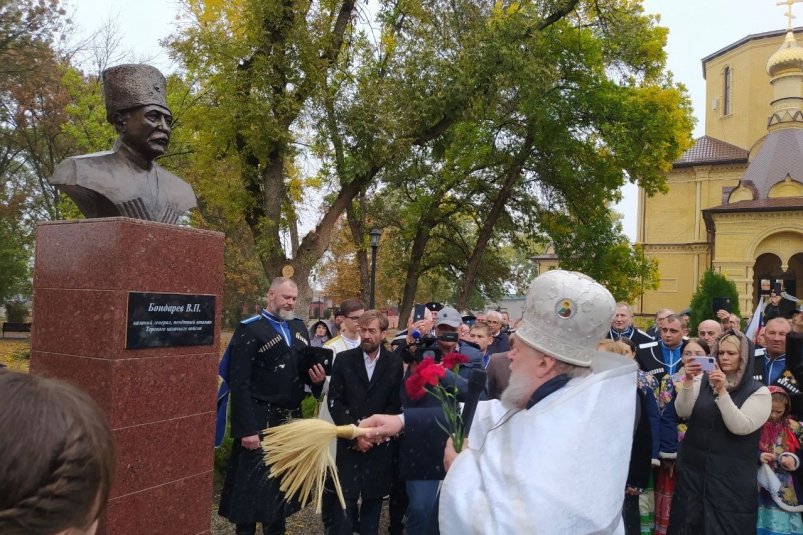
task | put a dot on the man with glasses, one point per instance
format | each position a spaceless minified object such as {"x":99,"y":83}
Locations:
{"x":349,"y":337}
{"x":500,"y":343}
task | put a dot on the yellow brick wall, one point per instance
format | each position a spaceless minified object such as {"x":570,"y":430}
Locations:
{"x":741,"y":238}
{"x":671,"y":225}
{"x":751,"y":92}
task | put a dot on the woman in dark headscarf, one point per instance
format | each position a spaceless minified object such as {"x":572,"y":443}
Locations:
{"x":716,"y":489}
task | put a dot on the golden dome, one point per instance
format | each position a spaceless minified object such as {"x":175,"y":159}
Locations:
{"x":788,"y":56}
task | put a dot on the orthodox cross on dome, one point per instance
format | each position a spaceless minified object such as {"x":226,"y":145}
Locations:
{"x":788,"y":14}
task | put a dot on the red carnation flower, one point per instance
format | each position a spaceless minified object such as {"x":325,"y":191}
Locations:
{"x":431,"y":372}
{"x":452,"y":360}
{"x":427,"y":372}
{"x":414,"y":386}
{"x":426,"y":380}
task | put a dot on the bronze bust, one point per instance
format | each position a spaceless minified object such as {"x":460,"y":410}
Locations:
{"x":126,"y":181}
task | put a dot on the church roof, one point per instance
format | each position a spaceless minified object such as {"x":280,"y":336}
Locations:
{"x":760,"y":205}
{"x":779,"y":155}
{"x":743,"y":40}
{"x":776,"y":204}
{"x":708,"y":150}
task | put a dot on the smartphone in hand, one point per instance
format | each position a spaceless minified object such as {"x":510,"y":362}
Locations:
{"x":419,"y":312}
{"x":707,"y":364}
{"x":722,"y":303}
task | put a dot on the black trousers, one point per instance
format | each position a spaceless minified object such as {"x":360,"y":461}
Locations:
{"x":631,"y":515}
{"x":369,"y":512}
{"x":397,"y":505}
{"x":274,"y":528}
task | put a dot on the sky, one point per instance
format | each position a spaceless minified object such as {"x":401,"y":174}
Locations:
{"x":697,"y":28}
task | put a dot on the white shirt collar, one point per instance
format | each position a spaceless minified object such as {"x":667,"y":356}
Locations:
{"x":370,"y":365}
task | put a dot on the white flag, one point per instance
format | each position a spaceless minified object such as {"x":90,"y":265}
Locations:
{"x":756,"y":321}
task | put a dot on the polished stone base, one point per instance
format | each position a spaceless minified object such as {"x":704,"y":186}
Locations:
{"x":160,"y":401}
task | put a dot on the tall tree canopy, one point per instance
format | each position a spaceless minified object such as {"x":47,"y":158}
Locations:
{"x":31,"y":110}
{"x":470,"y":131}
{"x":473,"y":123}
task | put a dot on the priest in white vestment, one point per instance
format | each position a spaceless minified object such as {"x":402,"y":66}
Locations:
{"x":552,"y":456}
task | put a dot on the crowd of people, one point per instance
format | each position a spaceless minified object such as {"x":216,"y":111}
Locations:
{"x":562,"y":445}
{"x":703,"y":409}
{"x":716,"y":412}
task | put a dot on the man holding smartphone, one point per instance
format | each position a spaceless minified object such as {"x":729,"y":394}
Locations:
{"x":420,"y":321}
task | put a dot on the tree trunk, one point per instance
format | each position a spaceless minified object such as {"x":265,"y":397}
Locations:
{"x":301,"y":278}
{"x":486,"y":231}
{"x":356,"y":221}
{"x":414,"y":269}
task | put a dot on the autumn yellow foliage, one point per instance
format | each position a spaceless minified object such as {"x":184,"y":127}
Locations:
{"x":13,"y":353}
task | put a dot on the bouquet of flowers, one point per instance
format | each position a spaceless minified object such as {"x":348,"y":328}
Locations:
{"x":426,"y":378}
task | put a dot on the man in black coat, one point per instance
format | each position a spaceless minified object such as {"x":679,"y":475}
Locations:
{"x":365,"y":381}
{"x":500,"y":342}
{"x":267,"y":375}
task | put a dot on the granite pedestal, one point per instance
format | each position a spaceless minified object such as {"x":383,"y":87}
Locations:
{"x":160,"y":401}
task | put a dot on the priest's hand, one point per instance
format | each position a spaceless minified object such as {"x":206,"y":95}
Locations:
{"x":250,"y":443}
{"x":383,"y":426}
{"x":449,"y":453}
{"x":317,"y":374}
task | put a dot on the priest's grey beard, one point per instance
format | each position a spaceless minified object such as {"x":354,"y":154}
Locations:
{"x":517,"y":393}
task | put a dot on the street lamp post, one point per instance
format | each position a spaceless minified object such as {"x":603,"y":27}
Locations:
{"x":375,"y":235}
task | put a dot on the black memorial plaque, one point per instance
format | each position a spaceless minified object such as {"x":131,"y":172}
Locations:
{"x":169,"y":320}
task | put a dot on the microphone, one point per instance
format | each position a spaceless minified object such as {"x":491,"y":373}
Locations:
{"x":476,"y":385}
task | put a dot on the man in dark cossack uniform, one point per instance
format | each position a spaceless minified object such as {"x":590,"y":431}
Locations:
{"x":622,"y":326}
{"x":664,"y":356}
{"x":266,"y":375}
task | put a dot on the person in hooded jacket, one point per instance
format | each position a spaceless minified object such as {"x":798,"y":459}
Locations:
{"x":716,"y":489}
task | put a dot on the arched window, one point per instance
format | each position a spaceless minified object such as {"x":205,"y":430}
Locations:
{"x":726,"y":93}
